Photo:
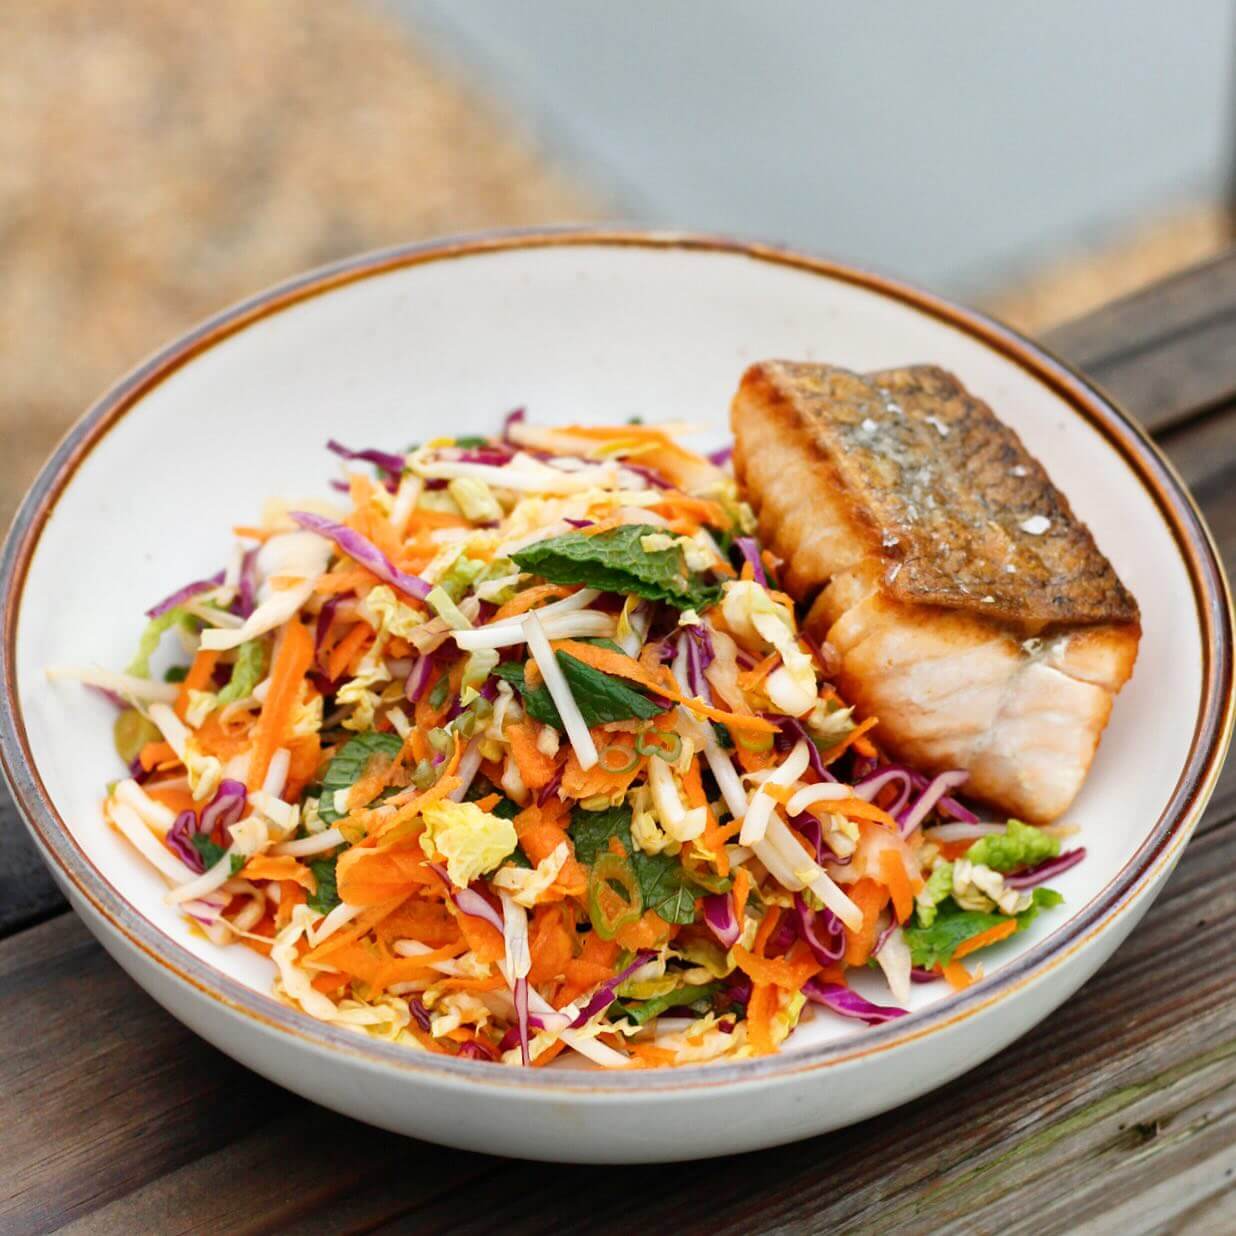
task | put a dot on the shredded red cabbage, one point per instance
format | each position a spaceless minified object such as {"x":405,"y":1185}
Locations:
{"x":720,"y":458}
{"x":721,"y":919}
{"x":179,"y":841}
{"x":386,"y":460}
{"x":751,"y":552}
{"x":869,"y":786}
{"x":418,"y":679}
{"x":112,"y":697}
{"x":841,"y":999}
{"x":226,"y":808}
{"x":420,"y":1014}
{"x":550,"y":788}
{"x":365,"y":552}
{"x":474,"y":1049}
{"x":924,"y":976}
{"x":605,"y":995}
{"x":791,"y":729}
{"x":517,"y":417}
{"x":929,"y":798}
{"x":822,"y":930}
{"x":1048,"y":869}
{"x":651,"y":475}
{"x":183,"y":594}
{"x":494,"y":456}
{"x":246,"y":593}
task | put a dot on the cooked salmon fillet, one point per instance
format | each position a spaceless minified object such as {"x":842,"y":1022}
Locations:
{"x":972,"y":612}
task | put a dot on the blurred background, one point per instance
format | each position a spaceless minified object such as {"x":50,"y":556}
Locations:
{"x":159,"y":160}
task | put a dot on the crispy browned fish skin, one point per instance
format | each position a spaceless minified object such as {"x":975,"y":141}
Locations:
{"x":900,"y":503}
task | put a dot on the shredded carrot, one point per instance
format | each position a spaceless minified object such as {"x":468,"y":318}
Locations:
{"x":779,"y":970}
{"x":251,"y":533}
{"x":291,"y":663}
{"x":993,"y":935}
{"x":197,"y":679}
{"x":360,"y":926}
{"x":750,"y":679}
{"x":482,"y":938}
{"x":535,"y":767}
{"x":600,"y":778}
{"x":957,"y":976}
{"x":768,"y":924}
{"x":622,"y":666}
{"x":153,"y":754}
{"x":651,"y":1055}
{"x":870,"y":897}
{"x":279,"y":867}
{"x":760,"y":1010}
{"x":343,"y":652}
{"x":369,"y":877}
{"x":349,"y":579}
{"x":858,"y":809}
{"x":893,"y":870}
{"x":742,"y":889}
{"x":521,"y":602}
{"x":850,"y":740}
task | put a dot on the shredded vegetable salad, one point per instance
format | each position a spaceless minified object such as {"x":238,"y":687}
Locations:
{"x":514,"y":748}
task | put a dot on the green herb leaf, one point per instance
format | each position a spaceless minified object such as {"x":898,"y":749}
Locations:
{"x":615,"y":561}
{"x":600,"y":697}
{"x":176,"y":673}
{"x":471,"y":442}
{"x":327,"y":897}
{"x":212,"y":853}
{"x":348,"y":766}
{"x":664,"y":883}
{"x":935,"y":944}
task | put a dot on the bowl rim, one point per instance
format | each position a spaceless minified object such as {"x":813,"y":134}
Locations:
{"x":1212,"y":732}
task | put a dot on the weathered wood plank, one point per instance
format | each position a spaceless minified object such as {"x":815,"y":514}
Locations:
{"x":1164,"y":352}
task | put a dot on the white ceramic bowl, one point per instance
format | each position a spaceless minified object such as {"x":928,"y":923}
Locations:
{"x":393,"y":347}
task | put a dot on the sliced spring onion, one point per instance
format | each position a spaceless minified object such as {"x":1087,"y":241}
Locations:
{"x":617,"y":759}
{"x":664,"y":744}
{"x":614,"y":897}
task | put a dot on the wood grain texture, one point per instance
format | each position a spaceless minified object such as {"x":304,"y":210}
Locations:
{"x":1118,"y":1114}
{"x":1166,"y":352}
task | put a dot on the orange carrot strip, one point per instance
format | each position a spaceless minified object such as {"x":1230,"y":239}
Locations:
{"x":292,"y":660}
{"x":279,"y":867}
{"x":535,"y":767}
{"x":521,"y":602}
{"x":850,"y":740}
{"x":760,"y":1009}
{"x":346,"y":649}
{"x":856,"y":809}
{"x":197,"y":679}
{"x":779,"y":971}
{"x":155,"y":753}
{"x":742,"y":888}
{"x":871,"y":898}
{"x":957,"y":976}
{"x":360,"y":926}
{"x":894,"y":873}
{"x":758,"y":672}
{"x":768,"y":924}
{"x":1001,"y":931}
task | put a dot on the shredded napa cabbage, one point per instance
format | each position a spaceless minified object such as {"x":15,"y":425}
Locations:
{"x":752,"y":614}
{"x":471,"y":841}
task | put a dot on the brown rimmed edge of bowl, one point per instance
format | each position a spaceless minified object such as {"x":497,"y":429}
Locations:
{"x":1212,"y":732}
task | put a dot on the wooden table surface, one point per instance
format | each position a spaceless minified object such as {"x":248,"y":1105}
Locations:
{"x":1117,"y":1115}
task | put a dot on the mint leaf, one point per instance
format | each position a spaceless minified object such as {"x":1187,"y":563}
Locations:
{"x":176,"y":673}
{"x":327,"y":897}
{"x":348,"y":766}
{"x":663,"y":881}
{"x":600,"y":697}
{"x":666,"y":887}
{"x":591,"y":831}
{"x":615,"y":561}
{"x":247,"y":671}
{"x":1020,"y":845}
{"x":935,"y":944}
{"x":212,"y":853}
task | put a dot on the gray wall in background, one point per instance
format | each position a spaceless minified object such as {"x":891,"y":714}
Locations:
{"x":953,"y":143}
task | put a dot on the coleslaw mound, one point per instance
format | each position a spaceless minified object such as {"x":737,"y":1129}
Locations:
{"x":514,"y":749}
